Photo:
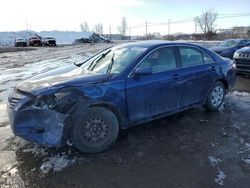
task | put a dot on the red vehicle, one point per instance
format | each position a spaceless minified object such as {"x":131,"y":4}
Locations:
{"x":35,"y":41}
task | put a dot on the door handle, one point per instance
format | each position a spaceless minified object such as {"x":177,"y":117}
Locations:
{"x":175,"y":76}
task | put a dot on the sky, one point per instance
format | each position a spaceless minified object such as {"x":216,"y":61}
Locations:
{"x":66,"y":15}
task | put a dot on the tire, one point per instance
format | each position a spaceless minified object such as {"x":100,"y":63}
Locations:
{"x":215,"y":97}
{"x":95,"y":131}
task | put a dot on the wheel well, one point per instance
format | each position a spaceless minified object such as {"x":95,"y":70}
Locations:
{"x":114,"y":110}
{"x":225,"y":83}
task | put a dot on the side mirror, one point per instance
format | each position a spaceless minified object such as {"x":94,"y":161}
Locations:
{"x":143,"y":71}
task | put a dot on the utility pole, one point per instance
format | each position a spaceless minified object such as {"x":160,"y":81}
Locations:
{"x":109,"y":32}
{"x":169,"y":27}
{"x":195,"y":31}
{"x":146,"y":29}
{"x":130,"y":33}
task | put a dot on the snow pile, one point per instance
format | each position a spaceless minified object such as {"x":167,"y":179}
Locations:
{"x":56,"y":163}
{"x":36,"y":150}
{"x":241,"y":94}
{"x":214,"y":161}
{"x":220,"y":177}
{"x":247,"y":161}
{"x":62,"y":37}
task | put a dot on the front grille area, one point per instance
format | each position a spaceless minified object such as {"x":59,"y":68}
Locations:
{"x":243,"y":65}
{"x":13,"y":102}
{"x":244,"y":55}
{"x":15,"y":98}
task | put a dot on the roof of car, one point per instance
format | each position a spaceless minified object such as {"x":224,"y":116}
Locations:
{"x":235,"y":39}
{"x":155,"y":43}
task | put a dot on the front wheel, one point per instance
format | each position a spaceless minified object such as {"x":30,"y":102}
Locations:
{"x":96,"y":130}
{"x":215,"y":97}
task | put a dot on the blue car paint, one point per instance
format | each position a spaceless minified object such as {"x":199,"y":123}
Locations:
{"x":228,"y":51}
{"x":132,"y":99}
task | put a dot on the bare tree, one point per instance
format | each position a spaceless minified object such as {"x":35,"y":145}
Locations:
{"x":84,"y":26}
{"x":98,"y":28}
{"x":207,"y":21}
{"x":123,"y":27}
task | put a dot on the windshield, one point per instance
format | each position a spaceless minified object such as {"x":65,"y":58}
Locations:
{"x":114,"y":60}
{"x":229,"y":43}
{"x":20,"y":40}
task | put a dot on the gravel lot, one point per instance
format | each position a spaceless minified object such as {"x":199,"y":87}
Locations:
{"x":192,"y":149}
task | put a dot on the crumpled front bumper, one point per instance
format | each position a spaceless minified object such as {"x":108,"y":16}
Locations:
{"x":43,"y":126}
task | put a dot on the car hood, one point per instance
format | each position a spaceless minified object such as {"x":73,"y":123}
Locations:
{"x":245,"y":50}
{"x":221,"y":48}
{"x":71,"y":75}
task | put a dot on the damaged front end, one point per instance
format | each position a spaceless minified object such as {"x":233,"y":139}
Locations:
{"x":44,"y":119}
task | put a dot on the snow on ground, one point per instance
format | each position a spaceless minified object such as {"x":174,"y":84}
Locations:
{"x":240,"y":99}
{"x":56,"y":163}
{"x":220,"y":177}
{"x":214,"y":161}
{"x":241,"y":94}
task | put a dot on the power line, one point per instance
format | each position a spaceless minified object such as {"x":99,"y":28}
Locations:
{"x":220,"y":16}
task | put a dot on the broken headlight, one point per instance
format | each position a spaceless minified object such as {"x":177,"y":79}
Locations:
{"x":45,"y":102}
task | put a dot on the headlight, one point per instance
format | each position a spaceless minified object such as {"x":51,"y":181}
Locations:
{"x":236,"y":55}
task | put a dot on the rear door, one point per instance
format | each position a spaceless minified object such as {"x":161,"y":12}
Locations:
{"x":197,"y":73}
{"x":159,"y":92}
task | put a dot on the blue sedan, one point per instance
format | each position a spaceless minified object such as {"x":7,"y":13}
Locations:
{"x":89,"y":103}
{"x":228,"y":47}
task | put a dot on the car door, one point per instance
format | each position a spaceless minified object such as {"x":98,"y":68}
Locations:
{"x":150,"y":95}
{"x":197,"y":72}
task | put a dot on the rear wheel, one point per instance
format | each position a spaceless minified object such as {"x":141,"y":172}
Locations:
{"x":215,"y":97}
{"x":96,"y":130}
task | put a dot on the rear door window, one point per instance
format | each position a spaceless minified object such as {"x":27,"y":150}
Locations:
{"x":207,"y":59}
{"x":190,"y":56}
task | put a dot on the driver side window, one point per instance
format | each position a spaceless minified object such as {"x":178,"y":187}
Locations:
{"x":160,"y":60}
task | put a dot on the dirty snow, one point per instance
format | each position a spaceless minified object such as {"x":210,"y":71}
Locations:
{"x":36,"y":150}
{"x":247,"y":161}
{"x":241,"y":94}
{"x":56,"y":163}
{"x":240,"y":99}
{"x":220,"y":177}
{"x":214,"y":161}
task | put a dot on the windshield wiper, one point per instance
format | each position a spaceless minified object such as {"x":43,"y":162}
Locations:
{"x":95,"y":62}
{"x":111,"y":64}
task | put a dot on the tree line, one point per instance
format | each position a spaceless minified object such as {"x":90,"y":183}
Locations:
{"x":98,"y":28}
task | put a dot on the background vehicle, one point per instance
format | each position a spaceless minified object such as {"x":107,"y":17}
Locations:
{"x":49,"y":41}
{"x":228,"y":47}
{"x":242,"y":60}
{"x":20,"y":42}
{"x":116,"y":89}
{"x":35,"y":41}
